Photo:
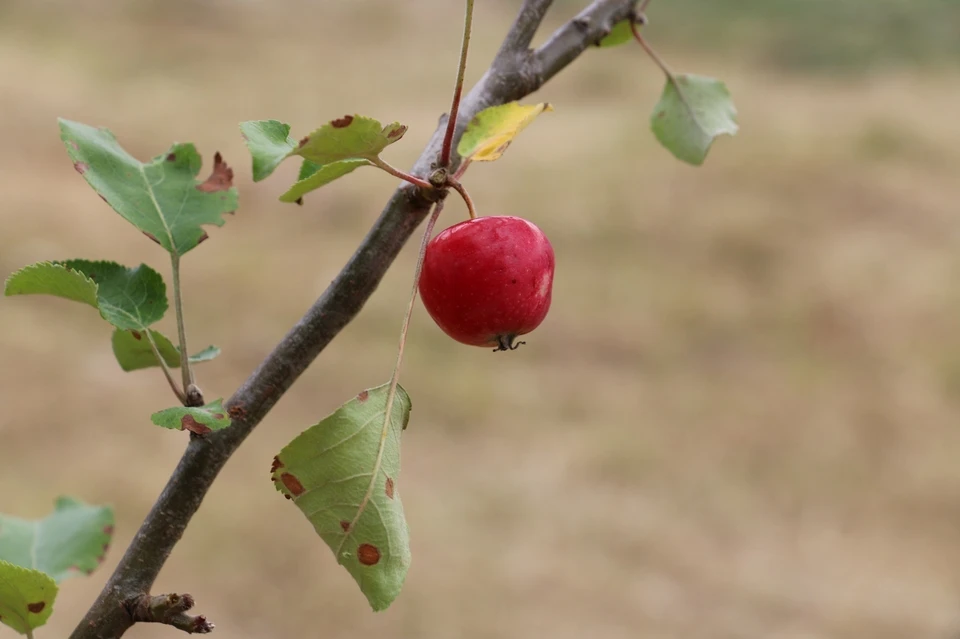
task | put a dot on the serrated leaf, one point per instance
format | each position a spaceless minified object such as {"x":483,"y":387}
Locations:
{"x":51,"y":278}
{"x":348,"y":138}
{"x":492,"y":130}
{"x":162,"y":198}
{"x":133,"y":352}
{"x":343,"y":474}
{"x":691,"y":114}
{"x":26,"y":597}
{"x":322,"y":176}
{"x":620,"y":33}
{"x":269,"y":142}
{"x":128,"y":298}
{"x":70,"y":541}
{"x":201,"y":420}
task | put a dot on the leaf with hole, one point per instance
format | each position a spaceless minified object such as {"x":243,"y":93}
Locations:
{"x":200,"y":420}
{"x":492,"y":130}
{"x":128,"y":298}
{"x":26,"y":597}
{"x":70,"y":541}
{"x":691,"y":114}
{"x":133,"y":351}
{"x":343,"y":474}
{"x":621,"y":33}
{"x":162,"y":198}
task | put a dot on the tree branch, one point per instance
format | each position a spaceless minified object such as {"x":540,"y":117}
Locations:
{"x":510,"y":77}
{"x":524,"y":28}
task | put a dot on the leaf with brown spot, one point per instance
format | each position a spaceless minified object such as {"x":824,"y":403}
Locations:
{"x":26,"y":597}
{"x":368,"y":554}
{"x":210,"y":417}
{"x":346,"y":467}
{"x":330,"y":152}
{"x":221,"y":179}
{"x":161,"y":197}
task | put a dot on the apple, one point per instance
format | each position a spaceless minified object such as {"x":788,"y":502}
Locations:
{"x":488,"y":280}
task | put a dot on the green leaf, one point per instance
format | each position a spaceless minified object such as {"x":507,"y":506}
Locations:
{"x":161,"y":198}
{"x":269,"y":142}
{"x":691,"y":114}
{"x":348,"y":138}
{"x":343,"y":474}
{"x":70,"y":541}
{"x":322,"y":176}
{"x":26,"y":597}
{"x":335,"y":149}
{"x":128,"y":298}
{"x":133,"y":352}
{"x":307,"y":169}
{"x":200,"y":420}
{"x":492,"y":130}
{"x":52,"y":278}
{"x":620,"y":33}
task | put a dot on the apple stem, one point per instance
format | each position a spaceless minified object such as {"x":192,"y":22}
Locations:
{"x":412,"y":179}
{"x":395,"y":378}
{"x":446,"y":150}
{"x":459,"y":188}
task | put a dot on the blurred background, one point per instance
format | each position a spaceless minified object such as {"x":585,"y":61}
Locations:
{"x":738,"y":421}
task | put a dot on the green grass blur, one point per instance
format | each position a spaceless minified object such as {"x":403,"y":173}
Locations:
{"x":738,"y":421}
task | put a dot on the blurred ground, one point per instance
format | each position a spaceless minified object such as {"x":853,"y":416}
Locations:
{"x":739,"y":420}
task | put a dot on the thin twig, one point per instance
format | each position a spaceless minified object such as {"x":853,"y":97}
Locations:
{"x":412,"y":179}
{"x":204,"y":457}
{"x":163,"y":366}
{"x":458,"y":187}
{"x":447,"y":147}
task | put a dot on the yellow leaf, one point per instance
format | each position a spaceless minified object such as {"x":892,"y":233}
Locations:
{"x":492,"y":130}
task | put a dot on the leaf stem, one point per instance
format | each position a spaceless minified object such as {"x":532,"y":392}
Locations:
{"x":412,"y":179}
{"x":166,"y":369}
{"x":672,"y":79}
{"x":446,"y":149}
{"x":653,"y":54}
{"x":395,"y":378}
{"x":459,"y":188}
{"x":29,"y":633}
{"x":181,"y":329}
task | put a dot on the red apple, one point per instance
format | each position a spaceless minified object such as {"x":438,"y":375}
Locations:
{"x":487,"y":280}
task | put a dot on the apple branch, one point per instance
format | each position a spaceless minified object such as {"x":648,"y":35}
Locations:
{"x":514,"y":73}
